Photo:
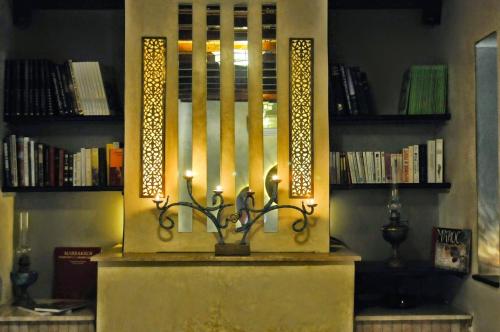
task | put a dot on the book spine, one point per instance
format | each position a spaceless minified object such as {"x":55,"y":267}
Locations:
{"x":343,"y":75}
{"x":410,"y":164}
{"x":36,"y":86}
{"x":27,"y":88}
{"x":388,"y":169}
{"x":76,"y":91}
{"x":439,"y":160}
{"x":47,"y":85}
{"x":68,"y":89}
{"x":88,"y":167}
{"x":406,"y":157}
{"x":60,"y":167}
{"x":74,"y":176}
{"x":95,"y":166}
{"x":7,"y":101}
{"x":422,"y":162}
{"x":360,"y":166}
{"x":52,"y":166}
{"x":55,"y":92}
{"x":394,"y":167}
{"x":6,"y":166}
{"x":371,"y":166}
{"x":416,"y":165}
{"x":32,"y":163}
{"x":66,"y":169}
{"x":337,"y":166}
{"x":60,"y":88}
{"x":383,"y":176}
{"x":18,"y":79}
{"x":40,"y":165}
{"x":83,"y":168}
{"x":13,"y":161}
{"x":338,"y":91}
{"x":352,"y":167}
{"x":378,"y":168}
{"x":26,"y":161}
{"x":399,"y":157}
{"x":352,"y":91}
{"x":431,"y":161}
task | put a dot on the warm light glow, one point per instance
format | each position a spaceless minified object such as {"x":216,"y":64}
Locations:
{"x":276,"y":178}
{"x":158,"y":198}
{"x":218,"y":189}
{"x":310,"y":202}
{"x":301,"y":117}
{"x":153,"y":115}
{"x":189,"y":174}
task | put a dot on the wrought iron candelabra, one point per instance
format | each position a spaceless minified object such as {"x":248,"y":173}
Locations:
{"x":215,"y":212}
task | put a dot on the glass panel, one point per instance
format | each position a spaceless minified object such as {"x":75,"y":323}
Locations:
{"x":240,"y":54}
{"x":213,"y":104}
{"x":487,"y":155}
{"x":269,"y":108}
{"x":185,"y":141}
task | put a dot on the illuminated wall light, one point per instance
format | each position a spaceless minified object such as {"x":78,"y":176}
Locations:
{"x":301,"y":117}
{"x":154,"y":51}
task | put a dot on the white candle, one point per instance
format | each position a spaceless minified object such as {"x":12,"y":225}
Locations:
{"x":158,"y":198}
{"x":218,"y":189}
{"x":310,"y":202}
{"x":189,"y":174}
{"x":276,"y":178}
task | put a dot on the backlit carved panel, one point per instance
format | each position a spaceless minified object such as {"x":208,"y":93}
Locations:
{"x":301,"y":117}
{"x":153,"y":115}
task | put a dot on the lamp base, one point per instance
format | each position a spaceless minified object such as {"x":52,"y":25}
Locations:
{"x":232,"y":249}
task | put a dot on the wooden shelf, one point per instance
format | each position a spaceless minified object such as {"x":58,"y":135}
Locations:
{"x":63,"y":118}
{"x":389,"y":119}
{"x":445,"y":185}
{"x":410,"y":269}
{"x":60,"y":189}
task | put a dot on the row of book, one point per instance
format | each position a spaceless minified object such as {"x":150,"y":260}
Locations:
{"x":350,"y":90}
{"x":421,"y":163}
{"x":40,"y":87}
{"x":28,"y":163}
{"x":424,"y":90}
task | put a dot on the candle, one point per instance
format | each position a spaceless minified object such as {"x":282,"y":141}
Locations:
{"x":218,"y":189}
{"x":189,"y":174}
{"x":310,"y":202}
{"x":276,"y":178}
{"x":158,"y":198}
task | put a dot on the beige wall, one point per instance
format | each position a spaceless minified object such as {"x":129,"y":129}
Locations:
{"x":159,"y":18}
{"x":464,"y":23}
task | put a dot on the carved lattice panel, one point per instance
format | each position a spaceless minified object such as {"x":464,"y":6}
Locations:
{"x":301,"y":117}
{"x":153,"y":115}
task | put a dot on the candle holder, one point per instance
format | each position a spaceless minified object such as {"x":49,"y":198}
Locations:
{"x":215,"y":214}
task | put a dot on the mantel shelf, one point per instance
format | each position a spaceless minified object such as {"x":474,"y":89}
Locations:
{"x":60,"y":189}
{"x":389,"y":119}
{"x":445,"y":185}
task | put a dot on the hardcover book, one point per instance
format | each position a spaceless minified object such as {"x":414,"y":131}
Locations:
{"x":451,"y":249}
{"x":75,"y":276}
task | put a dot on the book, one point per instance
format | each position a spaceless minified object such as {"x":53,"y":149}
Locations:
{"x":59,"y":306}
{"x":75,"y":276}
{"x":26,"y":161}
{"x":431,"y":161}
{"x":116,"y":167}
{"x":6,"y":166}
{"x":439,"y":160}
{"x":378,"y":168}
{"x":416,"y":167}
{"x":422,"y":162}
{"x":40,"y":165}
{"x":13,"y":161}
{"x":88,"y":167}
{"x":52,"y":167}
{"x":95,"y":166}
{"x":451,"y":249}
{"x":83,"y":168}
{"x":32,"y":163}
{"x":406,"y":166}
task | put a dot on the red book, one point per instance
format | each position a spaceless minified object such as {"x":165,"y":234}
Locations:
{"x":75,"y":276}
{"x":60,"y":168}
{"x":116,"y":167}
{"x":52,"y":166}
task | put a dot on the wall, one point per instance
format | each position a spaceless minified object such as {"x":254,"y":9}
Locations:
{"x":384,"y":43}
{"x":464,"y":24}
{"x":159,"y":18}
{"x":71,"y":219}
{"x":6,"y":200}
